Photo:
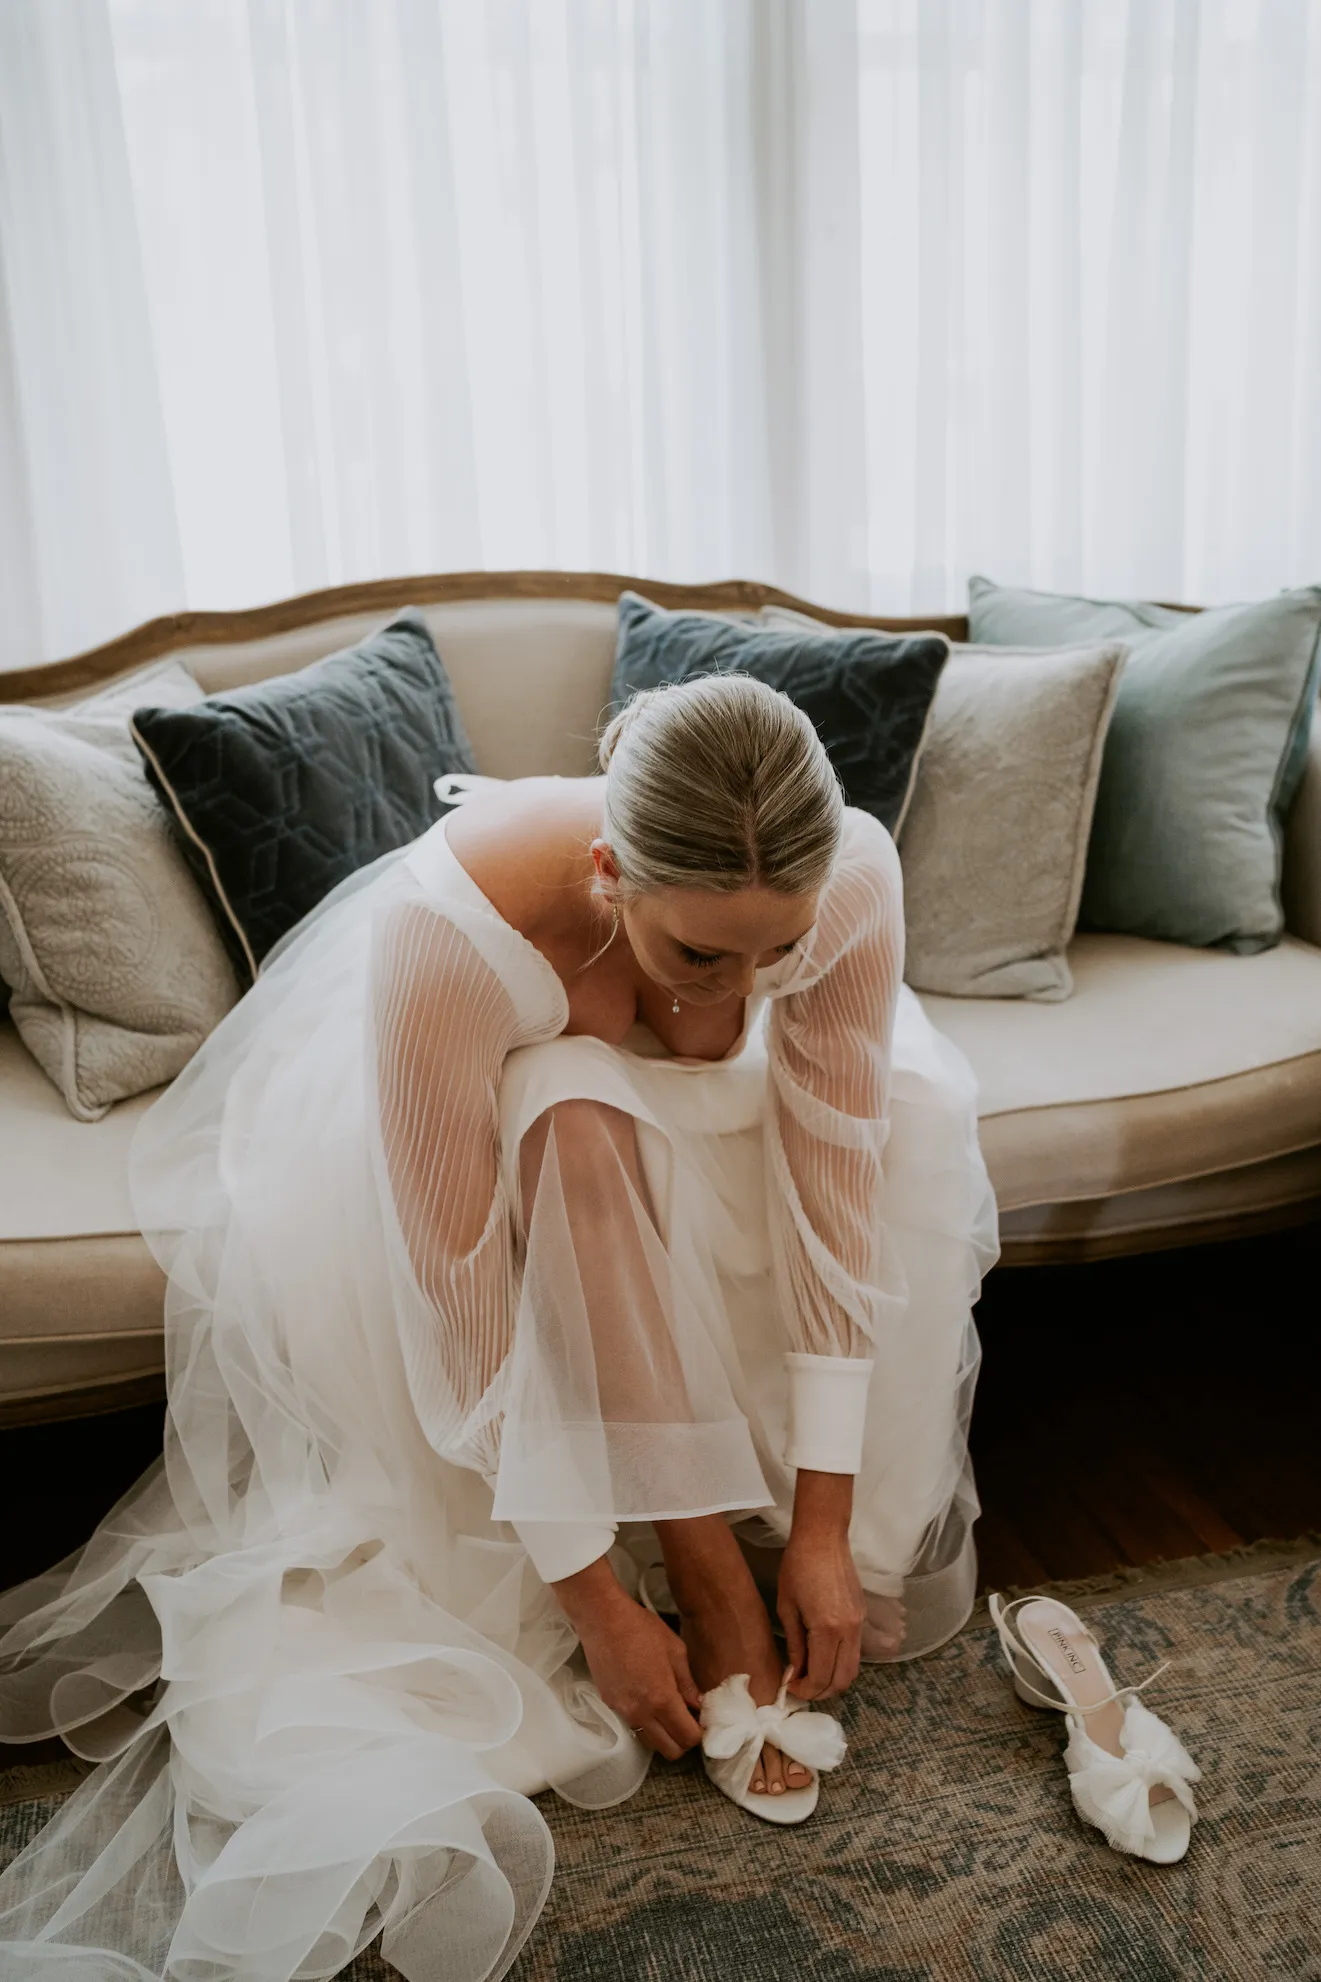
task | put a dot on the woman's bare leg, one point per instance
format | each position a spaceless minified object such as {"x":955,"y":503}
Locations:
{"x":725,"y":1626}
{"x":640,"y":1380}
{"x":638,"y":1373}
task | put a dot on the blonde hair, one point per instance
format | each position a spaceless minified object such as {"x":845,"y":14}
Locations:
{"x":719,"y":783}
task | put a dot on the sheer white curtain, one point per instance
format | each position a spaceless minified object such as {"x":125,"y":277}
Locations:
{"x":856,"y":295}
{"x":1091,"y":255}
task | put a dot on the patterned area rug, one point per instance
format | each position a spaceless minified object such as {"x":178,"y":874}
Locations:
{"x":945,"y":1850}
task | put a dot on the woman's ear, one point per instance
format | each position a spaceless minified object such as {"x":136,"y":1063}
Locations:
{"x":607,"y":870}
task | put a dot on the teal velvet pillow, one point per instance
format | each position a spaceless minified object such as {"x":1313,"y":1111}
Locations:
{"x":1203,"y":757}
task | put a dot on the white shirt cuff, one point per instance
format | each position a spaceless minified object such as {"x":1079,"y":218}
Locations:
{"x":827,"y":1412}
{"x":561,"y":1548}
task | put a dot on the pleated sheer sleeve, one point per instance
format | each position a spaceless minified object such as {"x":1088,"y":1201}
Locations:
{"x":827,"y":1122}
{"x":444,"y":1024}
{"x":445,"y":1021}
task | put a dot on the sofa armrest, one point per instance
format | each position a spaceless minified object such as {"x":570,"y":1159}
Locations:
{"x":1301,"y":880}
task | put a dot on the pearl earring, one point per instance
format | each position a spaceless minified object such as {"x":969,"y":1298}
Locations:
{"x":676,"y":1006}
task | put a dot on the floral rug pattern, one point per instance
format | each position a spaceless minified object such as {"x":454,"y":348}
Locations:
{"x":946,"y":1849}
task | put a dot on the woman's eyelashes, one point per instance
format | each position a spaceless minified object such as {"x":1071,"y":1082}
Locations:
{"x":702,"y":959}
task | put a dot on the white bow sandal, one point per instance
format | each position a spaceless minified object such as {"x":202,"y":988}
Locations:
{"x":1129,"y":1773}
{"x":735,"y":1730}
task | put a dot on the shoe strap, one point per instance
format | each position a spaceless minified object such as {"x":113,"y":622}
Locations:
{"x":1017,"y":1649}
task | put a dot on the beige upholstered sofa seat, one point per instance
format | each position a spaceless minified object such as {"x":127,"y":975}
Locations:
{"x":1176,"y":1096}
{"x":80,"y":1295}
{"x":1110,"y":1115}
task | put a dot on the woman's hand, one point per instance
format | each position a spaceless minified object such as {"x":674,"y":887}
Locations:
{"x":820,"y":1598}
{"x":640,"y":1666}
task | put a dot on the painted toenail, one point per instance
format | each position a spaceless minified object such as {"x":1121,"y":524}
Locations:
{"x":777,"y":1788}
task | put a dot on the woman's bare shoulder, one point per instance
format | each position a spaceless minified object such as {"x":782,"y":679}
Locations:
{"x":525,"y":843}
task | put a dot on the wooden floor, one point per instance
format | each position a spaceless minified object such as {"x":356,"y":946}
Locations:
{"x":1147,"y":1409}
{"x":1127,"y":1412}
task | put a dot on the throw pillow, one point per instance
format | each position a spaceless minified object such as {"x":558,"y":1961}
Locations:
{"x":1203,"y":757}
{"x":995,"y":841}
{"x":116,"y":972}
{"x":282,"y":789}
{"x":869,"y":694}
{"x":995,"y":844}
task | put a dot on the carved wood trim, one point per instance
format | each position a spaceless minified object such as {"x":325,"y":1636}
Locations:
{"x":1075,"y":1249}
{"x":97,"y":1400}
{"x":384,"y":595}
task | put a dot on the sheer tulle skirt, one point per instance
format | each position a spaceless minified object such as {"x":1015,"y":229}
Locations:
{"x":310,"y":1654}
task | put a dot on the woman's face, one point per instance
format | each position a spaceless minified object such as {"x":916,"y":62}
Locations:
{"x":705,"y":947}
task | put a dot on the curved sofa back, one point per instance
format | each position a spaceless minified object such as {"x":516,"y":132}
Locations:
{"x":530,"y":654}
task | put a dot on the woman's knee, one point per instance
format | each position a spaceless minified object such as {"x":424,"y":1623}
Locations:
{"x":595,"y":1145}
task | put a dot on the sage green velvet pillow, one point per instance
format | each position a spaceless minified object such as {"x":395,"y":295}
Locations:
{"x":1204,"y":754}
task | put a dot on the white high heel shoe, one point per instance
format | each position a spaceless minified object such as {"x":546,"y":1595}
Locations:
{"x":735,"y":1730}
{"x":1129,"y":1774}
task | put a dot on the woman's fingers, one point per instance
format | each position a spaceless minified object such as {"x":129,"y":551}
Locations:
{"x":848,"y":1662}
{"x":667,"y":1726}
{"x":822,"y":1650}
{"x":681,"y":1726}
{"x":658,"y":1737}
{"x":847,"y":1666}
{"x":688,"y":1687}
{"x":673,"y":1714}
{"x":794,"y":1637}
{"x":832,"y":1663}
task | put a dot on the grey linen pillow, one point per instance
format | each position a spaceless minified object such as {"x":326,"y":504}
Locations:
{"x":115,"y":968}
{"x":1202,"y":761}
{"x":994,"y":844}
{"x":994,"y":847}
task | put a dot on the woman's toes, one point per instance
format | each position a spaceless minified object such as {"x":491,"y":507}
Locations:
{"x":775,"y":1774}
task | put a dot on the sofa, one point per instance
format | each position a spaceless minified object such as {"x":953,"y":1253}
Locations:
{"x":1174,"y":1098}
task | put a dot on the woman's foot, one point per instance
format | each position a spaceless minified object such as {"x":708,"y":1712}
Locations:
{"x":726,"y":1628}
{"x":883,"y":1628}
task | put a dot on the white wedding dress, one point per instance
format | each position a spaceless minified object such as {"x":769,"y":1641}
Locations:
{"x":457,"y":1302}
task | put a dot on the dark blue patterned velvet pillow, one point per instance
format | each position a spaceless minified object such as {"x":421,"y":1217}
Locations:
{"x":867,"y":693}
{"x":283,"y":789}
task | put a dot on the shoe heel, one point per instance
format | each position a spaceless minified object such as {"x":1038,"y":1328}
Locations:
{"x":1031,"y":1685}
{"x":1026,"y":1697}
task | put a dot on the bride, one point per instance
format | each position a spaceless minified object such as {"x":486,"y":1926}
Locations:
{"x":578,"y":1209}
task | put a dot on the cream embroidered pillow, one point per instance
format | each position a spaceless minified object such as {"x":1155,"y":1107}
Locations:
{"x":994,"y":843}
{"x":115,"y":968}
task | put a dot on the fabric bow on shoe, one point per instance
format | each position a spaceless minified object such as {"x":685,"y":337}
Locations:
{"x":1114,"y":1791}
{"x":733,"y":1725}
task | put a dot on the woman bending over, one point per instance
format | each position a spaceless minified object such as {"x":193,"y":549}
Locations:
{"x":578,"y":1221}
